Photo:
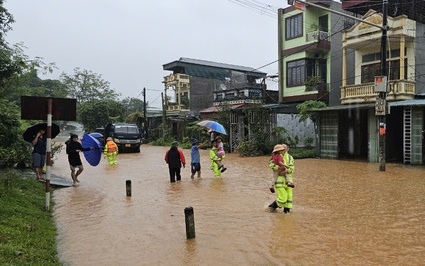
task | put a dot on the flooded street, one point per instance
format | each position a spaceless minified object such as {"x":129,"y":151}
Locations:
{"x":345,"y":213}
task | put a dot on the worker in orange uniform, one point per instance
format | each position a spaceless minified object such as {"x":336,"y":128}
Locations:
{"x":111,"y":151}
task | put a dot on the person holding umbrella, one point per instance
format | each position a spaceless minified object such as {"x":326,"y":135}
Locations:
{"x":37,"y":136}
{"x":39,"y":153}
{"x":73,"y":148}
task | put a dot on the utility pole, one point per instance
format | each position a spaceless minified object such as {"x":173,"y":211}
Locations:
{"x":164,"y":120}
{"x":144,"y":114}
{"x":383,"y":95}
{"x":381,"y":103}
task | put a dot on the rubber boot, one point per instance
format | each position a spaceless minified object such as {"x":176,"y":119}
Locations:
{"x":286,"y":210}
{"x":273,"y":205}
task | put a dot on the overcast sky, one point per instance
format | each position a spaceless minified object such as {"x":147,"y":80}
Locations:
{"x":128,"y":41}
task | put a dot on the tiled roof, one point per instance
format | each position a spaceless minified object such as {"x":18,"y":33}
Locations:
{"x":210,"y":69}
{"x":214,"y":109}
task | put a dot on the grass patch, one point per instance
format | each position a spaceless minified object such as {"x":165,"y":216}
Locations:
{"x":27,"y":230}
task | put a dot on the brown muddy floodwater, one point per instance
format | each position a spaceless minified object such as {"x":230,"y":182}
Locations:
{"x":345,"y":213}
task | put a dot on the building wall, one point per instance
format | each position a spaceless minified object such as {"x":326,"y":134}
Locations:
{"x":294,"y":127}
{"x":335,"y":58}
{"x":201,"y":93}
{"x":328,"y":134}
{"x":417,"y":128}
{"x":420,"y":59}
{"x":373,"y":137}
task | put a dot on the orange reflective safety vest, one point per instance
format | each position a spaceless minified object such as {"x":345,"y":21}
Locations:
{"x":111,"y":147}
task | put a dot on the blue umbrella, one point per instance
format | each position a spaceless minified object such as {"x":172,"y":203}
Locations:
{"x":92,"y":156}
{"x":215,"y":126}
{"x":96,"y":135}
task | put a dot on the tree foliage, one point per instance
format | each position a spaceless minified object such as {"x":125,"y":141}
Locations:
{"x":6,"y":19}
{"x":135,"y":118}
{"x":86,"y":86}
{"x":12,"y":63}
{"x":133,"y":105}
{"x":9,"y":122}
{"x":20,"y":76}
{"x":98,"y":113}
{"x":306,"y":109}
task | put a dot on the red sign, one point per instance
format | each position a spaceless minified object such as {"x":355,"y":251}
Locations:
{"x":299,"y":5}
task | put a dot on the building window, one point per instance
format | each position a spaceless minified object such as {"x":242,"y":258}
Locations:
{"x":371,"y":70}
{"x":254,"y":94}
{"x":298,"y":71}
{"x":294,"y":26}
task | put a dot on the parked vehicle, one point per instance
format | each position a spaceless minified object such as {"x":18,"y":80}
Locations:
{"x":128,"y":137}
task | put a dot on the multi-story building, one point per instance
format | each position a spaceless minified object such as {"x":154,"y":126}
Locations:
{"x":309,"y":49}
{"x":200,"y":87}
{"x":351,"y":128}
{"x":310,"y":53}
{"x":200,"y":84}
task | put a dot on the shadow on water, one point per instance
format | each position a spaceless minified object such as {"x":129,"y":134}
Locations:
{"x":345,"y":213}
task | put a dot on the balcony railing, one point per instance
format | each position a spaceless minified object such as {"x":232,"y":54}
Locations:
{"x":317,"y":36}
{"x":364,"y":93}
{"x":176,"y":107}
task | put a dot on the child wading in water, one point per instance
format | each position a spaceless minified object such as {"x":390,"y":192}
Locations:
{"x":220,"y":153}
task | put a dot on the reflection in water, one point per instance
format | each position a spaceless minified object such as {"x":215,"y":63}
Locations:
{"x":345,"y":213}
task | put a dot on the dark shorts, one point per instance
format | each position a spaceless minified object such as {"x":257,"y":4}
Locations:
{"x":38,"y":160}
{"x":196,"y":167}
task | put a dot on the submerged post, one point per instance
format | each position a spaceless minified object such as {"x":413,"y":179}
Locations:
{"x":190,"y":222}
{"x":128,"y":187}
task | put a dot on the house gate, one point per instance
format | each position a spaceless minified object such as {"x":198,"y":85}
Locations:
{"x":245,"y":127}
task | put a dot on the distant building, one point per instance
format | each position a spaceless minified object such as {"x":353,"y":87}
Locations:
{"x":199,"y":85}
{"x":202,"y":89}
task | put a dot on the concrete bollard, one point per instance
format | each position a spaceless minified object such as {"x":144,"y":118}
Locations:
{"x":190,"y":222}
{"x":128,"y":187}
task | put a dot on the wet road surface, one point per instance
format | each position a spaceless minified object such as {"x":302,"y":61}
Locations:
{"x":345,"y":213}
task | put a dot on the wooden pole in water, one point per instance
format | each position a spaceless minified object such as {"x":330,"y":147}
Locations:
{"x":128,"y":187}
{"x":190,"y":222}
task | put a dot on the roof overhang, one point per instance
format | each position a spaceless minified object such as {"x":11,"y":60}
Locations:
{"x":413,"y":102}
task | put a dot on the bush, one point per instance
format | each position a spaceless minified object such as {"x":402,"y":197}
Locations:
{"x":164,"y":141}
{"x":299,"y":153}
{"x":248,"y":149}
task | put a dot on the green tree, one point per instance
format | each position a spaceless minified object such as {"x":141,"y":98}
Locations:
{"x":306,"y":109}
{"x":85,"y":86}
{"x":20,"y":77}
{"x":135,"y":118}
{"x":99,"y":112}
{"x":133,"y":105}
{"x":11,"y":64}
{"x":6,"y":19}
{"x":9,"y":122}
{"x":45,"y":87}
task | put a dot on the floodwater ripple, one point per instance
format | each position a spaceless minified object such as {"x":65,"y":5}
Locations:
{"x":345,"y":213}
